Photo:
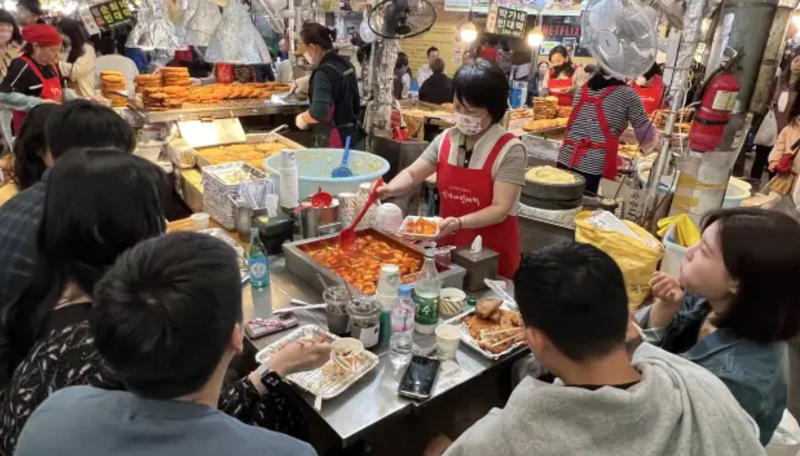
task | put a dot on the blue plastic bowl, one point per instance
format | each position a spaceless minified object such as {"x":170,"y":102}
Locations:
{"x":314,"y":167}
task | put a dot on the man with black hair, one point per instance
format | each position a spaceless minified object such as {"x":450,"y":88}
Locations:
{"x":604,"y":402}
{"x":168,"y":318}
{"x":438,"y":88}
{"x":426,"y":69}
{"x":75,"y":124}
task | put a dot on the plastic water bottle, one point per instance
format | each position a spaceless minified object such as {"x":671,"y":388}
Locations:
{"x":257,"y":262}
{"x":403,"y":311}
{"x":426,"y":296}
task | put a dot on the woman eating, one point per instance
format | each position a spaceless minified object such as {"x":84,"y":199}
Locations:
{"x":605,"y":108}
{"x":650,"y":88}
{"x":34,"y":78}
{"x":333,"y":92}
{"x":79,"y":64}
{"x":30,"y":158}
{"x":563,"y":78}
{"x":734,"y":307}
{"x":479,"y":166}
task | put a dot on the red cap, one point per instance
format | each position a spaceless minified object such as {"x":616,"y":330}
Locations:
{"x":42,"y":34}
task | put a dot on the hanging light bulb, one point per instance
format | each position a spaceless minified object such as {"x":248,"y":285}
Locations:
{"x":204,"y":22}
{"x":535,"y":38}
{"x":469,"y":33}
{"x":154,"y":30}
{"x":236,"y":39}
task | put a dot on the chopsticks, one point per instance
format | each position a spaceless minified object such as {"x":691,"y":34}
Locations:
{"x":486,"y":333}
{"x":504,"y":341}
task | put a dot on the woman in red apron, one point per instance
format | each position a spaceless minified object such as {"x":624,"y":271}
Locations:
{"x":650,"y":87}
{"x":335,"y":103}
{"x":562,"y":76}
{"x":605,"y":108}
{"x":479,"y":166}
{"x":34,"y":77}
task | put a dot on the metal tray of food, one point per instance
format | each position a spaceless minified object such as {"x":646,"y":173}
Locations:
{"x":326,"y":382}
{"x":403,"y":231}
{"x":459,"y":320}
{"x":301,"y":264}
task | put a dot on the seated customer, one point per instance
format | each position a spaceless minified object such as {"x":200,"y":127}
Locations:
{"x":438,"y":88}
{"x":168,"y":318}
{"x":745,"y":269}
{"x":75,"y":124}
{"x":603,"y":403}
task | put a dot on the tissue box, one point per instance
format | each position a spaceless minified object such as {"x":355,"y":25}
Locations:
{"x":479,"y":266}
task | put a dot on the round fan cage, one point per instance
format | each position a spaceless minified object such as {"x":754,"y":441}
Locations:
{"x":394,"y":19}
{"x":620,"y":36}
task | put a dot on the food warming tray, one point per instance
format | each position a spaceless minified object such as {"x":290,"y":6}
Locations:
{"x":299,"y":263}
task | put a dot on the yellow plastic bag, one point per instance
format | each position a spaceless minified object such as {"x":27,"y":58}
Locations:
{"x":636,"y":259}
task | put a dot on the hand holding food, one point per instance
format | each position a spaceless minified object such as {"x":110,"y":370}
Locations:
{"x":422,"y":226}
{"x":449,"y":226}
{"x":666,"y":288}
{"x":300,"y":356}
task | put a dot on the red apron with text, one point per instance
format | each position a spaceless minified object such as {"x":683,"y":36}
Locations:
{"x":561,"y":89}
{"x":611,"y":143}
{"x":464,"y":191}
{"x":51,"y":90}
{"x":651,"y":95}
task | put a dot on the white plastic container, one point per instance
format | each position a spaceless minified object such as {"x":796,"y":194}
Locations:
{"x":389,"y":218}
{"x":673,"y":254}
{"x":738,"y":191}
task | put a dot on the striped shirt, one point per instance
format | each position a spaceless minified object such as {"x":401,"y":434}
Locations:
{"x":622,"y":106}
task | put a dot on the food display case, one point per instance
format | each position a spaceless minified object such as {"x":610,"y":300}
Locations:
{"x":300,"y":262}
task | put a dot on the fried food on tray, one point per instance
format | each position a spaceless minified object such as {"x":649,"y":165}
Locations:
{"x":487,"y":307}
{"x":421,"y":226}
{"x":494,"y":329}
{"x":362,"y":267}
{"x":252,"y":154}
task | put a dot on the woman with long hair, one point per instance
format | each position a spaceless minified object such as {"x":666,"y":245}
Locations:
{"x":563,"y":78}
{"x":10,"y":41}
{"x":80,"y":61}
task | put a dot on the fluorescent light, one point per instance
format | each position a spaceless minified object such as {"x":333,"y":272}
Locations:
{"x":469,"y":33}
{"x":535,"y":38}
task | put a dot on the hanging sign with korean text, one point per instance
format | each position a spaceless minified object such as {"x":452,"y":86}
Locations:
{"x":113,"y":14}
{"x":506,"y":21}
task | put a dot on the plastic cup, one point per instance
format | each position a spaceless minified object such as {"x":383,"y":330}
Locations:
{"x":447,"y":337}
{"x":200,"y":221}
{"x":337,"y":300}
{"x":346,"y":354}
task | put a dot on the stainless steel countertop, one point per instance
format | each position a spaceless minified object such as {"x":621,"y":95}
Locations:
{"x":374,"y":398}
{"x":227,"y":111}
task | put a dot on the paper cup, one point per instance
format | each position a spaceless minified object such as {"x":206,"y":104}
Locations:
{"x":345,"y":354}
{"x":447,"y":337}
{"x":451,"y":302}
{"x":348,"y":207}
{"x":200,"y":221}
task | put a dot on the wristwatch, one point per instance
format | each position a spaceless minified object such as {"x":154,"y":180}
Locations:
{"x":267,"y":377}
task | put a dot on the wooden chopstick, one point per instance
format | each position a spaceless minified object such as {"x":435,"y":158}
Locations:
{"x":505,"y":340}
{"x":501,"y":331}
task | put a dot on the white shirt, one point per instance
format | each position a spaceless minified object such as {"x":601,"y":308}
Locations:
{"x":117,"y":63}
{"x":423,"y":73}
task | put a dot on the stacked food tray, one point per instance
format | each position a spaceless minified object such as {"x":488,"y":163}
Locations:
{"x":221,"y":185}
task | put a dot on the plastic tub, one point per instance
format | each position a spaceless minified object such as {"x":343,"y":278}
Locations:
{"x":738,"y":191}
{"x":314,"y":167}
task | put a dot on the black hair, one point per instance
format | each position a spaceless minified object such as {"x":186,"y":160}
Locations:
{"x":786,"y":73}
{"x":77,"y":36}
{"x":402,"y":61}
{"x":27,"y":49}
{"x":318,"y":35}
{"x":107,"y":46}
{"x":601,"y":79}
{"x":504,"y":45}
{"x":8,"y":18}
{"x":167,"y":297}
{"x":766,"y":306}
{"x":575,"y":294}
{"x":483,"y":84}
{"x":431,"y":49}
{"x":99,"y":203}
{"x":83,"y":123}
{"x":567,"y":67}
{"x":493,"y":41}
{"x":654,"y":70}
{"x":30,"y":147}
{"x":437,"y":66}
{"x":34,"y":6}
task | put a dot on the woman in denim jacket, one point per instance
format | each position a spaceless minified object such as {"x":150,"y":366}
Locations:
{"x":747,"y":268}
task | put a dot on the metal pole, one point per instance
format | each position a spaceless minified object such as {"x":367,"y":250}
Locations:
{"x":683,"y":62}
{"x":535,"y":52}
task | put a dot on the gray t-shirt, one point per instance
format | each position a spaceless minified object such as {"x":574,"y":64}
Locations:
{"x":86,"y":421}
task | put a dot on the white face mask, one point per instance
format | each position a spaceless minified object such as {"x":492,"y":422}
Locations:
{"x":469,"y":125}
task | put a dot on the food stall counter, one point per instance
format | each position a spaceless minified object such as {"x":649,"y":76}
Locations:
{"x":227,"y":110}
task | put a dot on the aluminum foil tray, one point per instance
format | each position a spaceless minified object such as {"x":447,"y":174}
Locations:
{"x":219,"y":196}
{"x":467,"y":339}
{"x":314,"y":381}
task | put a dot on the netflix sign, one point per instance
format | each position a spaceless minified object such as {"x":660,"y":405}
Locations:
{"x":562,"y":31}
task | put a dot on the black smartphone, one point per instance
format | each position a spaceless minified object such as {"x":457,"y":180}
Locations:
{"x":419,"y":378}
{"x":262,"y":327}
